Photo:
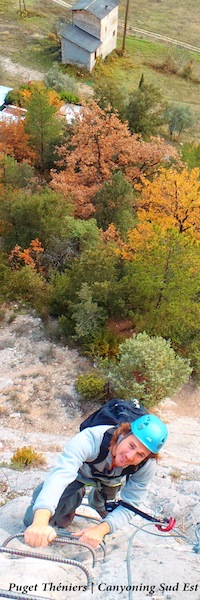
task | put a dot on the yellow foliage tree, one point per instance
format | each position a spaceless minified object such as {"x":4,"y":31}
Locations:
{"x":171,"y":200}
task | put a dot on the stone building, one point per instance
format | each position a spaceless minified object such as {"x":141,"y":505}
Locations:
{"x":92,"y":33}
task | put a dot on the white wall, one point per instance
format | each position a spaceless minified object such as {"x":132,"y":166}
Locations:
{"x":108,"y":32}
{"x":87,"y":22}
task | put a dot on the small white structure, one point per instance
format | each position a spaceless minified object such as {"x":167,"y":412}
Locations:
{"x":70,"y":112}
{"x":12,"y":113}
{"x":3,"y":93}
{"x":93,"y":32}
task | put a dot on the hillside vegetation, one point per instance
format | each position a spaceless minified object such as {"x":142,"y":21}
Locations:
{"x":99,"y":219}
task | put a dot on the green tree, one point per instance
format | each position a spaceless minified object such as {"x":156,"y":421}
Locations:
{"x":14,"y":174}
{"x":148,"y":369}
{"x":145,"y":110}
{"x":190,"y":153}
{"x":98,"y":268}
{"x":88,"y":316}
{"x":24,"y":217}
{"x":114,"y":203}
{"x":161,"y":285}
{"x":111,"y":96}
{"x":43,"y":127}
{"x":179,"y":118}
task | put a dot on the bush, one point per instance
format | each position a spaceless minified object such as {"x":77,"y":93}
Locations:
{"x":28,"y":286}
{"x":148,"y":369}
{"x":69,"y":97}
{"x":91,"y":386}
{"x":105,"y":344}
{"x":60,"y":81}
{"x":26,"y":457}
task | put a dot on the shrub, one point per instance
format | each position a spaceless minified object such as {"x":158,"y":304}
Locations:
{"x":91,"y":386}
{"x":148,"y":369}
{"x":70,"y":97}
{"x":28,"y":286}
{"x":26,"y":457}
{"x":105,"y":344}
{"x":60,"y":81}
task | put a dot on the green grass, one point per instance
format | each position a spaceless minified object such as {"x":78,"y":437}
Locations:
{"x":179,"y":20}
{"x":24,"y":42}
{"x":141,"y":57}
{"x":23,"y":37}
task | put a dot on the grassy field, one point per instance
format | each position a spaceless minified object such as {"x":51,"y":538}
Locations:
{"x":179,"y":20}
{"x":23,"y":40}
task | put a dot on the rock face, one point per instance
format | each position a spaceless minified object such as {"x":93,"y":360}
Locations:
{"x":39,"y":407}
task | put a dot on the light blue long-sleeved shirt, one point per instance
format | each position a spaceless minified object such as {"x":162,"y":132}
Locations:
{"x":83,"y":448}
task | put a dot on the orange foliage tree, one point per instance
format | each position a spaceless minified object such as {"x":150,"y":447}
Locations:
{"x":172,"y":199}
{"x":14,"y":141}
{"x":26,"y":95}
{"x":100,"y":145}
{"x":29,"y":256}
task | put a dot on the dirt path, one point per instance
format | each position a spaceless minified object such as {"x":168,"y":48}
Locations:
{"x":157,"y":36}
{"x":25,"y":72}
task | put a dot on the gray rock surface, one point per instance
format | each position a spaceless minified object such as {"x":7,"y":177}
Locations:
{"x":40,"y":408}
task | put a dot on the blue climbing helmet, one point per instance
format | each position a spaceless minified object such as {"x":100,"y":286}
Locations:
{"x":151,"y":431}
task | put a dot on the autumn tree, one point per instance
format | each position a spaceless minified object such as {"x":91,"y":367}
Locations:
{"x":101,"y":145}
{"x":43,"y":128}
{"x":172,"y":199}
{"x":30,"y":256}
{"x":161,"y":282}
{"x":14,"y":141}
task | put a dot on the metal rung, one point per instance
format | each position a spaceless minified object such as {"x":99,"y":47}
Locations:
{"x":56,"y":559}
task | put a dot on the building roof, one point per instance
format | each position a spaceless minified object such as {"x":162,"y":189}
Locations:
{"x":98,"y":8}
{"x":12,"y":113}
{"x":81,"y":38}
{"x":3,"y":93}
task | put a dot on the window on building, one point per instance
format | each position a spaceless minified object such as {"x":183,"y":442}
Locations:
{"x":113,"y":32}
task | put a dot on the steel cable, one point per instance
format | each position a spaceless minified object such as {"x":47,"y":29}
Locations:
{"x":175,"y":534}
